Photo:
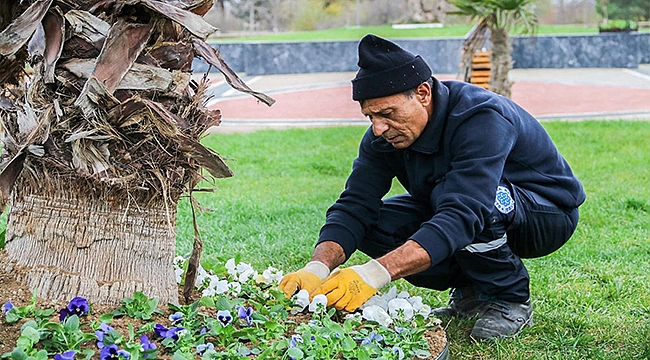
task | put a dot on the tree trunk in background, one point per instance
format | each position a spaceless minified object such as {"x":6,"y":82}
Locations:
{"x":70,"y":242}
{"x":426,"y":11}
{"x":501,"y":62}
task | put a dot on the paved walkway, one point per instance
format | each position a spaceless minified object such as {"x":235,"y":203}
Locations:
{"x":324,"y":99}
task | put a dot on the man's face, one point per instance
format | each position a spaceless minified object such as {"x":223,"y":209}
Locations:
{"x":398,"y":118}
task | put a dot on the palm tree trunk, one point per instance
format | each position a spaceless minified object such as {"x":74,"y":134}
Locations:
{"x":501,"y":62}
{"x":66,"y":239}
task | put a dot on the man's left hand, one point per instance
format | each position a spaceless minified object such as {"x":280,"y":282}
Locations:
{"x":350,"y":288}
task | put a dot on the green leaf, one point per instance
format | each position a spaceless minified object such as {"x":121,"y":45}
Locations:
{"x":23,"y":342}
{"x":88,"y":353}
{"x":295,"y":353}
{"x":2,"y":239}
{"x":421,"y":354}
{"x":131,"y":332}
{"x":223,"y":304}
{"x":13,"y":315}
{"x":207,"y":301}
{"x":153,"y":303}
{"x":31,"y":334}
{"x":18,"y":354}
{"x":107,"y":318}
{"x":181,"y":356}
{"x":41,"y":355}
{"x":349,"y":344}
{"x":72,"y":323}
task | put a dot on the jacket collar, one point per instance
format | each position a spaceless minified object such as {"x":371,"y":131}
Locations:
{"x":429,"y":141}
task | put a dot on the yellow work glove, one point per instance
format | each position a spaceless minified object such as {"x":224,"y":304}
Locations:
{"x":349,"y":288}
{"x":309,"y":278}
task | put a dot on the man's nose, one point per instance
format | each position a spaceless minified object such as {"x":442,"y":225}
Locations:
{"x":379,"y":127}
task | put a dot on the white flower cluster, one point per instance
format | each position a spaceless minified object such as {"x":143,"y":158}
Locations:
{"x":239,"y":273}
{"x":379,"y":308}
{"x":301,"y":300}
{"x":392,"y":305}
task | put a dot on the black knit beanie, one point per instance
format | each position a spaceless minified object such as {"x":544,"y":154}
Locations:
{"x":386,"y":69}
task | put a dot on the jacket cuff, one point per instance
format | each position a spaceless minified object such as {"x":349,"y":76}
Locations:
{"x":434,"y":243}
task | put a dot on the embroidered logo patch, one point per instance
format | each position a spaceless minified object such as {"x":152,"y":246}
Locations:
{"x":504,"y":202}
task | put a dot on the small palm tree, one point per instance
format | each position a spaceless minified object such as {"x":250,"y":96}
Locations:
{"x":496,"y":18}
{"x":101,"y":140}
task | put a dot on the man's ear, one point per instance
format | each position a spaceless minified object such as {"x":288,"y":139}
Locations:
{"x":423,"y":92}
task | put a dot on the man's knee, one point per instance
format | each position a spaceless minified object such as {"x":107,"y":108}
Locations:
{"x":540,"y":228}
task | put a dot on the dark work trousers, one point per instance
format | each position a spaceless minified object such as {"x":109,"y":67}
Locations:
{"x":492,"y":263}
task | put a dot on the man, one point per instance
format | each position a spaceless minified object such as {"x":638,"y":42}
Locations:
{"x":486,"y":187}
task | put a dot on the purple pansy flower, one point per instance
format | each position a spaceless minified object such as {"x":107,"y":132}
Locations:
{"x":7,"y":306}
{"x":246,"y":313}
{"x":146,"y":345}
{"x":201,"y":348}
{"x":400,"y":353}
{"x":295,"y":340}
{"x":77,"y":306}
{"x":166,"y":333}
{"x":224,"y":317}
{"x":372,"y":337}
{"x":112,"y":352}
{"x":103,"y":329}
{"x":68,"y":355}
{"x":176,"y":318}
{"x":244,"y":351}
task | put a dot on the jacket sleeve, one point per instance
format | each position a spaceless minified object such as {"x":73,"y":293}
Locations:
{"x":357,"y":208}
{"x":479,"y":148}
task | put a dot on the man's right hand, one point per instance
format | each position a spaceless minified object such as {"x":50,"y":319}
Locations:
{"x":308,"y":278}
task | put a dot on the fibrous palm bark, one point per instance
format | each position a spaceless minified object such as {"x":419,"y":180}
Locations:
{"x":102,"y":141}
{"x":501,"y":60}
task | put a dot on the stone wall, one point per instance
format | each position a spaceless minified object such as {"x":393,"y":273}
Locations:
{"x":621,"y":50}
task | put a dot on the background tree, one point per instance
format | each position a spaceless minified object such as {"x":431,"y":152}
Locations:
{"x":496,"y":18}
{"x":102,"y":140}
{"x":638,"y":10}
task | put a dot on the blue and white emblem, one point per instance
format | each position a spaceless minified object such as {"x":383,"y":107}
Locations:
{"x":504,"y":202}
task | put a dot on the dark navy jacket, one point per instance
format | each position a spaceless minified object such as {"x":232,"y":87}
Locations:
{"x":473,"y":140}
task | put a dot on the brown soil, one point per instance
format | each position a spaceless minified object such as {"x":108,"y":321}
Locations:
{"x":19,"y":295}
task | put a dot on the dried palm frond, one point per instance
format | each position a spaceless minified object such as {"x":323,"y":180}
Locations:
{"x":111,"y":104}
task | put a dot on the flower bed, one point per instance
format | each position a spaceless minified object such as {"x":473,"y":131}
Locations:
{"x":239,"y":313}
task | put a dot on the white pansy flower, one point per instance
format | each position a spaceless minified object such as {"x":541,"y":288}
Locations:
{"x":219,"y":286}
{"x":272,"y":275}
{"x":319,"y":299}
{"x":179,"y":274}
{"x":395,"y":305}
{"x":201,"y":276}
{"x":376,"y":313}
{"x":390,"y":295}
{"x":245,"y":272}
{"x":230,"y":266}
{"x":376,"y":301}
{"x":403,"y":295}
{"x":301,"y":301}
{"x":353,"y":316}
{"x":416,"y":302}
{"x":425,"y":311}
{"x":260,"y":279}
{"x":208,"y":292}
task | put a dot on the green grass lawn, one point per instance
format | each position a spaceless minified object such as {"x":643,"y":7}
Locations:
{"x":356,"y":33}
{"x":591,"y":297}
